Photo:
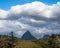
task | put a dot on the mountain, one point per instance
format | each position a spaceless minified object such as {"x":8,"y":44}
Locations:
{"x":28,"y":36}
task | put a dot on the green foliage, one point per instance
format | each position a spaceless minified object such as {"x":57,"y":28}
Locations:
{"x":52,"y":41}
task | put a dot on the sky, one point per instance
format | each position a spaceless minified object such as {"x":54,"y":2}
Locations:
{"x":40,"y":17}
{"x":6,"y":4}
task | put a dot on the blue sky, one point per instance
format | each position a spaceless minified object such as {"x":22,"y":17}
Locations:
{"x":6,"y":4}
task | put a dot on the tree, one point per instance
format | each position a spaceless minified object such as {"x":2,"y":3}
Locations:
{"x":52,"y":41}
{"x":11,"y":41}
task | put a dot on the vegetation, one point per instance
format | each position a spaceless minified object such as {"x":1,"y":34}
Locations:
{"x":52,"y":41}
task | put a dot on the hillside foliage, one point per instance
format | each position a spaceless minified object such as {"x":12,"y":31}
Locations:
{"x":52,"y":41}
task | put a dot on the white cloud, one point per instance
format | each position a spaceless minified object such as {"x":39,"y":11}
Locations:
{"x":1,"y":24}
{"x":30,"y":9}
{"x":3,"y":14}
{"x":36,"y":17}
{"x":35,"y":8}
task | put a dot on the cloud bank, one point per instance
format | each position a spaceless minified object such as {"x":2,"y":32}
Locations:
{"x":37,"y":17}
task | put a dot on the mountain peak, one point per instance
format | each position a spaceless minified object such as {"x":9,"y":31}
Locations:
{"x":28,"y":36}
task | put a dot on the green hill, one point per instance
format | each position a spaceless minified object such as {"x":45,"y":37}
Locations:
{"x":5,"y":42}
{"x":52,"y":41}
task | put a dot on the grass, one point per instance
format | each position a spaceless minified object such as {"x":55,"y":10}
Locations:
{"x":46,"y":42}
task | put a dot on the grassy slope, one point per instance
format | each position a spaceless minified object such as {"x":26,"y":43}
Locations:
{"x":27,"y":44}
{"x":18,"y":43}
{"x":40,"y":43}
{"x":48,"y":42}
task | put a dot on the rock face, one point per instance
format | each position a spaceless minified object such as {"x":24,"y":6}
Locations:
{"x":28,"y":36}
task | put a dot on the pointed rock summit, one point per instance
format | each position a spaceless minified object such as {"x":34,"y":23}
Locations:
{"x":28,"y":36}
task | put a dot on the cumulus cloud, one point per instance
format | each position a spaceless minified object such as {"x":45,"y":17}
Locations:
{"x":37,"y":17}
{"x":3,"y":13}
